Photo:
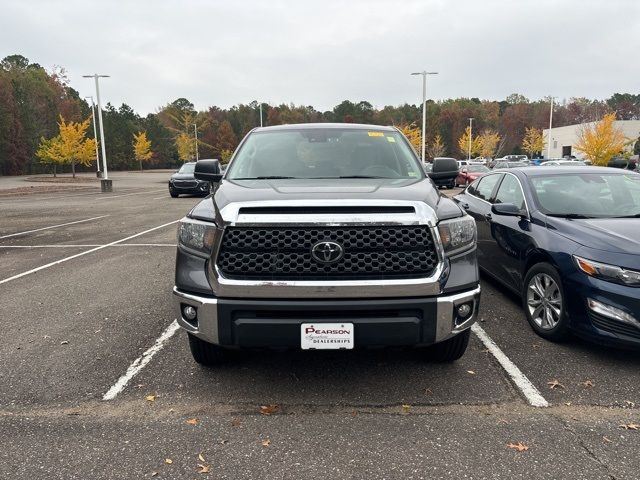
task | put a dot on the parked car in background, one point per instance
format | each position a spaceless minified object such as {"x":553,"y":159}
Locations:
{"x":481,"y":160}
{"x":566,"y":241}
{"x":501,"y":165}
{"x":444,"y":172}
{"x":183,"y":181}
{"x":462,"y":163}
{"x":470,"y":173}
{"x":428,"y":167}
{"x":620,"y":162}
{"x":564,"y":163}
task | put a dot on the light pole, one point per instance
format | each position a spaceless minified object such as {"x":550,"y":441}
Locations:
{"x":260,"y":113}
{"x":195,"y":130}
{"x":424,"y":106}
{"x":549,"y":132}
{"x":470,"y":135}
{"x":95,"y":135}
{"x":106,"y":186}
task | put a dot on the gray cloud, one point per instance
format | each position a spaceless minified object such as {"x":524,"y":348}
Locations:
{"x":322,"y":52}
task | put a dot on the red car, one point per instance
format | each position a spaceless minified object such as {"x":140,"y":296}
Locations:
{"x":469,"y":173}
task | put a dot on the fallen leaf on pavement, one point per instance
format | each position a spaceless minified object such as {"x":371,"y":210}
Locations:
{"x":520,"y":447}
{"x":150,"y":398}
{"x":266,"y":442}
{"x":201,"y":458}
{"x":428,"y":391}
{"x":555,"y":384}
{"x":607,"y":440}
{"x":630,"y":426}
{"x":587,"y":383}
{"x":269,"y":409}
{"x":192,"y":421}
{"x":471,"y":372}
{"x":64,"y":342}
{"x":502,"y":421}
{"x":203,"y":468}
{"x":236,"y":422}
{"x":406,"y":408}
{"x":154,"y":474}
{"x":168,"y":461}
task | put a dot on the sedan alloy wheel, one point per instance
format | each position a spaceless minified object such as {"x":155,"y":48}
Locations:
{"x":544,"y":301}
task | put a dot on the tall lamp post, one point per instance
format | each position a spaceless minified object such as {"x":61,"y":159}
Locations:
{"x":470,"y":135}
{"x":195,"y":131}
{"x":105,"y":182}
{"x":549,"y":132}
{"x":424,"y":74}
{"x":95,"y":134}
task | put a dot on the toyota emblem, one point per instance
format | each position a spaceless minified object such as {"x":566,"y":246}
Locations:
{"x":327,"y":252}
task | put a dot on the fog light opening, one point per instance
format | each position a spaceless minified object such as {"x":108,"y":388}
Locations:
{"x":189,"y":313}
{"x":463,"y":312}
{"x":612,"y":312}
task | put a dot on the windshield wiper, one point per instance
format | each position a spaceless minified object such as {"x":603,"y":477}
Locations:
{"x":358,"y":176}
{"x":635,"y":215}
{"x":266,"y":177}
{"x":569,"y":215}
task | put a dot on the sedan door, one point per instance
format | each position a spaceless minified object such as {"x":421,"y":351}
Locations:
{"x":477,"y":204}
{"x":511,"y":235}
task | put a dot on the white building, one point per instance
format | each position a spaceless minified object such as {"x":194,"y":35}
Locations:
{"x":563,"y":139}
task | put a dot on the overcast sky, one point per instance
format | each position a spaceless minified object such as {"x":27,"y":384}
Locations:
{"x":322,"y":52}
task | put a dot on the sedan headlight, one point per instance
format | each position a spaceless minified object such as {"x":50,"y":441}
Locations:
{"x":458,"y":234}
{"x":610,"y":273}
{"x":196,"y":236}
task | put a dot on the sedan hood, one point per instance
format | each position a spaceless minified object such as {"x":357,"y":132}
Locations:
{"x":618,"y":235}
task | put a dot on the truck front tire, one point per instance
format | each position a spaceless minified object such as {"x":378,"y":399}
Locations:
{"x":205,"y":353}
{"x":450,"y":350}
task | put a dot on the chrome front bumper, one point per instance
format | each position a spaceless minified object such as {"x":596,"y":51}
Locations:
{"x":208,"y":325}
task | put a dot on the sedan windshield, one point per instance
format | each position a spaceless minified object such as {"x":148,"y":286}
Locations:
{"x":588,"y":195}
{"x":324,"y":153}
{"x":187,"y":168}
{"x":477,"y":169}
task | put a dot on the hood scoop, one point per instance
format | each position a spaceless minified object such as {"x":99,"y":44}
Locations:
{"x":311,"y":210}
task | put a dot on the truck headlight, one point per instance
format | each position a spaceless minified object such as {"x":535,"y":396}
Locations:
{"x":196,"y":236}
{"x":610,"y":273}
{"x":457,"y":234}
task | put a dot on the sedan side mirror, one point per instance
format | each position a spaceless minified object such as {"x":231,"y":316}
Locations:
{"x":208,"y":170}
{"x":506,"y":209}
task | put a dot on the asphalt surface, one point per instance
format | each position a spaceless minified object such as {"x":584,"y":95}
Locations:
{"x":72,"y":329}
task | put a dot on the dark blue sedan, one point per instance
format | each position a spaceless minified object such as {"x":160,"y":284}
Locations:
{"x":567,"y":240}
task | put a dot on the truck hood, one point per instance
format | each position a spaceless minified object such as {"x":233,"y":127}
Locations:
{"x":299,"y":190}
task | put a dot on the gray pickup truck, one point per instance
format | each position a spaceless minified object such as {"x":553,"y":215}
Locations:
{"x":325,"y":236}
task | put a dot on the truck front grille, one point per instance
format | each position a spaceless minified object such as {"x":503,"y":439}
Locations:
{"x":284,"y":253}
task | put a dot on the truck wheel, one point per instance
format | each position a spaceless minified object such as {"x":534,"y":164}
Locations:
{"x":205,"y":353}
{"x":450,"y":350}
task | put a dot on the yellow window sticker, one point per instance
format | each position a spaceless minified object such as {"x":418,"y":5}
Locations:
{"x":391,"y":139}
{"x":376,"y":134}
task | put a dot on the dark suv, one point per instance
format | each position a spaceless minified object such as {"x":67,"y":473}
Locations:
{"x":183,"y":181}
{"x":325,"y":236}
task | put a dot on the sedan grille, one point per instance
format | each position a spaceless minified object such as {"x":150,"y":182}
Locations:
{"x":285,"y":253}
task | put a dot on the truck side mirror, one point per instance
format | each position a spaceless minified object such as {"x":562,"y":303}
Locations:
{"x":208,"y":170}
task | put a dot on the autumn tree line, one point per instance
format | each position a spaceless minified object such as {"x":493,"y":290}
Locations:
{"x":46,"y":126}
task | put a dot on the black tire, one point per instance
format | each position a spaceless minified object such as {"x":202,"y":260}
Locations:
{"x":173,"y":193}
{"x":450,"y":350}
{"x":560,"y":331}
{"x":205,"y":353}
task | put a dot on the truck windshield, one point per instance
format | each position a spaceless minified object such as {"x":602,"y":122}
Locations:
{"x":324,"y":153}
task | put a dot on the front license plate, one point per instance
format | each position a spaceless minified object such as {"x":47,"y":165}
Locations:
{"x":326,"y":336}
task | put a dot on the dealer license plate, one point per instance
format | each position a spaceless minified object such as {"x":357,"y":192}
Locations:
{"x":326,"y":336}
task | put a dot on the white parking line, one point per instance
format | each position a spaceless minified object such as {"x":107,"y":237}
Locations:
{"x":140,"y":362}
{"x":42,"y":267}
{"x":528,"y":389}
{"x":52,"y":226}
{"x":91,"y":245}
{"x":127,"y":194}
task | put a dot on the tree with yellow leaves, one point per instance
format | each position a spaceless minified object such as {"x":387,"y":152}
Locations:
{"x":463,"y":143}
{"x":142,"y":148}
{"x":601,"y":141}
{"x":488,"y":140}
{"x":186,"y":146}
{"x":533,"y":141}
{"x":436,"y":147}
{"x":70,"y":146}
{"x":413,"y":134}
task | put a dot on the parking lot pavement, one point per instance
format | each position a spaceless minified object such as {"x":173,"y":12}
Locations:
{"x":83,"y":301}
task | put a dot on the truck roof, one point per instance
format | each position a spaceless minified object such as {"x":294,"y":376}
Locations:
{"x":306,"y":126}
